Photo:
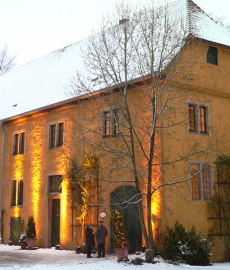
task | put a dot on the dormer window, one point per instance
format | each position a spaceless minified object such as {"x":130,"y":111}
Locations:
{"x":212,"y":56}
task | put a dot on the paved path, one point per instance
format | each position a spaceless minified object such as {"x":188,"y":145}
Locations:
{"x":14,"y":255}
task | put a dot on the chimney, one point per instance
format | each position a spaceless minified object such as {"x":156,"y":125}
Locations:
{"x":123,"y":21}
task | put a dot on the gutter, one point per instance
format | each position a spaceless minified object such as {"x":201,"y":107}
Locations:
{"x":2,"y":178}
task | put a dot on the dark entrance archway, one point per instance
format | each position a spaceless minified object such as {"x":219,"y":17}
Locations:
{"x":130,"y":215}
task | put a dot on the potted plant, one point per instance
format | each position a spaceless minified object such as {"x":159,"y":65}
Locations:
{"x":22,"y":238}
{"x":120,"y":240}
{"x":22,"y":241}
{"x":31,"y":233}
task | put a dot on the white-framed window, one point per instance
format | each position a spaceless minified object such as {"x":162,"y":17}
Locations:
{"x":56,"y":134}
{"x":55,"y":183}
{"x":17,"y":190}
{"x":111,"y":122}
{"x":201,"y":183}
{"x":198,"y":118}
{"x":19,"y":142}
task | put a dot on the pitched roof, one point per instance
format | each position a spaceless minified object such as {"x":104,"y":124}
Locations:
{"x":41,"y":83}
{"x":202,"y":26}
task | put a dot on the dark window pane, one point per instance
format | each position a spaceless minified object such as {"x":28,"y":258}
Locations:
{"x":203,"y":122}
{"x":195,"y":181}
{"x":52,"y":135}
{"x":106,"y":123}
{"x":212,"y":55}
{"x":55,"y":183}
{"x":14,"y":192}
{"x":15,"y":147}
{"x":207,"y":182}
{"x":20,"y":192}
{"x":60,"y":134}
{"x":192,"y":117}
{"x":22,"y":143}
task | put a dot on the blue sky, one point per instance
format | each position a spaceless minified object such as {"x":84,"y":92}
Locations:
{"x":33,"y":28}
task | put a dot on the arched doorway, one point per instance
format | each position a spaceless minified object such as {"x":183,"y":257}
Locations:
{"x":130,"y":215}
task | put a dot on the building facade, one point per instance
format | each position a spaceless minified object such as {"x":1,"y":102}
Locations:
{"x":46,"y":135}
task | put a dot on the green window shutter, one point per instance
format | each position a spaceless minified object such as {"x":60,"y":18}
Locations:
{"x":212,"y":56}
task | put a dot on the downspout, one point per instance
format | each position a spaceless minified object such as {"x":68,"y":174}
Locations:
{"x":2,"y":178}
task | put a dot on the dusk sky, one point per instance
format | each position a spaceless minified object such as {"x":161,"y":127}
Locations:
{"x":33,"y":28}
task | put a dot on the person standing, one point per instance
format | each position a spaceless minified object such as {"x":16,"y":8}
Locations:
{"x":101,"y":234}
{"x":89,"y":235}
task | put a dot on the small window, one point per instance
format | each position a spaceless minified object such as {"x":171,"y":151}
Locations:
{"x":207,"y":182}
{"x":15,"y":150}
{"x":14,"y":193}
{"x":56,"y":134}
{"x":195,"y":181}
{"x":203,"y":119}
{"x":60,"y":134}
{"x":20,"y":192}
{"x":111,"y":123}
{"x":192,"y":117}
{"x":55,"y":182}
{"x":201,"y":187}
{"x":116,"y":122}
{"x":212,"y":56}
{"x":19,"y":143}
{"x":107,"y":123}
{"x":198,"y":116}
{"x":52,"y":135}
{"x":22,"y":143}
{"x":17,"y":192}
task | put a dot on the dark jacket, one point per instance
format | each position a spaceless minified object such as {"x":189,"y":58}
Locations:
{"x":101,"y":233}
{"x":89,"y":236}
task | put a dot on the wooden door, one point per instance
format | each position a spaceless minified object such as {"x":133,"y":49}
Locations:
{"x":55,"y":227}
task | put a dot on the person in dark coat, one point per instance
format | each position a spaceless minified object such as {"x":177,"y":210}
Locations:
{"x":89,"y":235}
{"x":101,"y":234}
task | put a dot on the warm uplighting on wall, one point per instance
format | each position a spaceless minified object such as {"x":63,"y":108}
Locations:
{"x":156,"y":181}
{"x":62,"y":161}
{"x":18,"y":168}
{"x":36,"y":169}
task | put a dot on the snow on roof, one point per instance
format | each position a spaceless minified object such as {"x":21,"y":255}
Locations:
{"x":204,"y":27}
{"x":39,"y":83}
{"x":42,"y":82}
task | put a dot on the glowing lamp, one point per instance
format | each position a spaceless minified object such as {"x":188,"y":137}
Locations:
{"x":58,"y":247}
{"x":78,"y":249}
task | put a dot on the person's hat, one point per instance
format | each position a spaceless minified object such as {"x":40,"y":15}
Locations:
{"x":101,"y":221}
{"x":90,"y":224}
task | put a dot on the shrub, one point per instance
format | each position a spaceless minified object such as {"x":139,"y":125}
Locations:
{"x":187,"y":247}
{"x":31,"y":230}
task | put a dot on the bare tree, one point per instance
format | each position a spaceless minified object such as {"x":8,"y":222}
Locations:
{"x":7,"y":61}
{"x":140,"y":67}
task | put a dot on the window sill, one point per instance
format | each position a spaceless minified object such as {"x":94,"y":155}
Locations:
{"x":111,"y":136}
{"x":17,"y":154}
{"x":53,"y":147}
{"x":54,"y":192}
{"x":198,"y":133}
{"x":200,"y":200}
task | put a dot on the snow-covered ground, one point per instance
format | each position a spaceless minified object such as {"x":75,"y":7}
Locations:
{"x":12,"y":257}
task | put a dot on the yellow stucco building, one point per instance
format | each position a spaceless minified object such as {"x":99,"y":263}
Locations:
{"x":43,"y":129}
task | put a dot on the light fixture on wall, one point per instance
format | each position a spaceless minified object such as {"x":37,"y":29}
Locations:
{"x":58,"y":247}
